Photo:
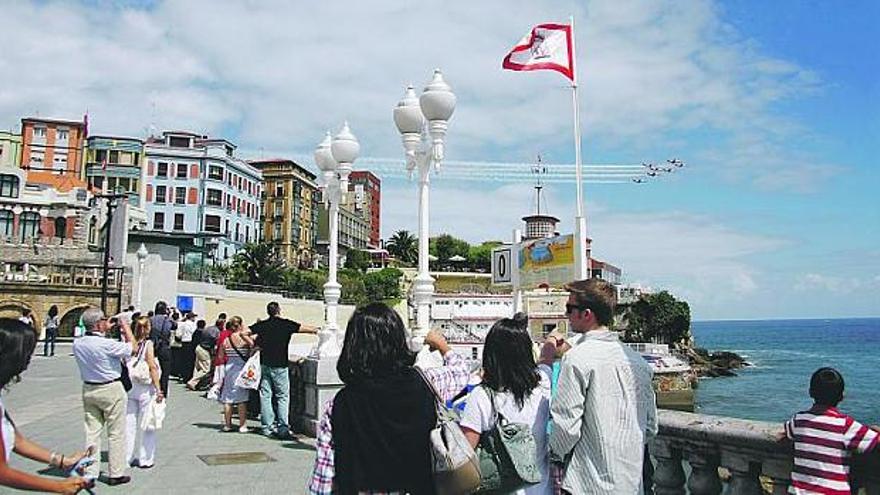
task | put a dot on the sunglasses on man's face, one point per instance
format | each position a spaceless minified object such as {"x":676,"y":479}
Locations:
{"x":571,"y":308}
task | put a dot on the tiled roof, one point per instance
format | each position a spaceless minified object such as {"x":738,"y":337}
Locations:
{"x":61,"y":182}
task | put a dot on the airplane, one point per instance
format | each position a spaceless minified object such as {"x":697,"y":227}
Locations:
{"x":652,"y":173}
{"x":649,"y":166}
{"x":676,"y":162}
{"x":638,"y":181}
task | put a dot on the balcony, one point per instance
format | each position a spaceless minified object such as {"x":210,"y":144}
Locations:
{"x":748,"y":454}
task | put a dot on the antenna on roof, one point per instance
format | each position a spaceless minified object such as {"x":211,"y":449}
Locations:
{"x":154,"y":131}
{"x":538,"y":169}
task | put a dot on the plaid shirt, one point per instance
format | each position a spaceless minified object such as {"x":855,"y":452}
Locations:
{"x":448,"y":379}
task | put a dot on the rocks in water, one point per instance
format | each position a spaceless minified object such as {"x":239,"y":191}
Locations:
{"x":715,"y":364}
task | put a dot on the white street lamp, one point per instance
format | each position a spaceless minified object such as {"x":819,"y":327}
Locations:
{"x":424,"y":150}
{"x":142,"y":254}
{"x":334,"y":157}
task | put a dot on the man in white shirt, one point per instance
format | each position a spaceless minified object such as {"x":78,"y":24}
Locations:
{"x":184,"y":332}
{"x":100,"y":361}
{"x":604,"y":411}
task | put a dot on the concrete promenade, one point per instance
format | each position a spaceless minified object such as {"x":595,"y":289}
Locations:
{"x":46,"y":406}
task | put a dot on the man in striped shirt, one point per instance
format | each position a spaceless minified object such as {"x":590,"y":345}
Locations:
{"x":824,"y":438}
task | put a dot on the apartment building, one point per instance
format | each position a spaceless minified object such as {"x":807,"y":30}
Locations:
{"x":196,"y":185}
{"x":289,"y":206}
{"x":367,"y":189}
{"x":51,"y":145}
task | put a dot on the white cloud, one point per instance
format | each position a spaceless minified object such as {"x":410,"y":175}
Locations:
{"x":278,"y":73}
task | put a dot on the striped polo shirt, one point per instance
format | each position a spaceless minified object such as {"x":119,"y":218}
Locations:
{"x":824,"y":439}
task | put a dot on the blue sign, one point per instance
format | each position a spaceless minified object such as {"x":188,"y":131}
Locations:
{"x":185,"y":303}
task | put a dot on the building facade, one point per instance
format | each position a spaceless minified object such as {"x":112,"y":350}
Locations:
{"x":56,"y":146}
{"x":367,"y":190}
{"x":10,"y":149}
{"x":354,"y":232}
{"x":289,"y":206}
{"x":197,"y":185}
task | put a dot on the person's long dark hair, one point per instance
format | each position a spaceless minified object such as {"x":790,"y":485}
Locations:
{"x":508,"y":360}
{"x":161,"y":308}
{"x":17,"y":343}
{"x":375,"y":345}
{"x":53,"y":311}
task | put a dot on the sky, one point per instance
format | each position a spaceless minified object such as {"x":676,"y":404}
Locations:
{"x":773,"y":106}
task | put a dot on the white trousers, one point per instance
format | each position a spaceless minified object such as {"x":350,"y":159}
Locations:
{"x":139,"y":398}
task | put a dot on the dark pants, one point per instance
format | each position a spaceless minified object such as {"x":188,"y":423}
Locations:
{"x":187,"y":361}
{"x":165,"y":363}
{"x":51,"y":336}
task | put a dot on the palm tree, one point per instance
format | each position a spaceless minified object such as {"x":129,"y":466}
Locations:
{"x":404,"y":246}
{"x":259,"y":264}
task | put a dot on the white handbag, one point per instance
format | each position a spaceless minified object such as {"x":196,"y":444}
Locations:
{"x":153,"y":416}
{"x":139,"y":369}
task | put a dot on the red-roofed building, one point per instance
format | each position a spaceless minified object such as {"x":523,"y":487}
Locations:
{"x":52,"y":145}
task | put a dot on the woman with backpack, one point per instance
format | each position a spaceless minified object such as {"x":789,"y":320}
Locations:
{"x":143,"y":370}
{"x":374,"y":434}
{"x":514,"y":388}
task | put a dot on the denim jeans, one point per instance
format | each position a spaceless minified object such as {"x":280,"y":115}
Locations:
{"x":274,"y":382}
{"x":51,"y":336}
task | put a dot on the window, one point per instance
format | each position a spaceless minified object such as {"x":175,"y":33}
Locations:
{"x":215,"y":172}
{"x":63,"y":134}
{"x":160,"y":194}
{"x":162,"y":170}
{"x":29,"y":225}
{"x":178,"y":142}
{"x":114,"y":156}
{"x":279,"y":208}
{"x":180,"y":195}
{"x":215,"y":197}
{"x":277,"y":234}
{"x":212,"y":223}
{"x":237,"y":232}
{"x":279,"y":189}
{"x":37,"y":157}
{"x":100,"y":155}
{"x":158,"y":221}
{"x":181,"y":171}
{"x":8,"y":186}
{"x":6,"y":223}
{"x":59,"y":162}
{"x":247,"y":233}
{"x":40,"y":132}
{"x":178,"y":221}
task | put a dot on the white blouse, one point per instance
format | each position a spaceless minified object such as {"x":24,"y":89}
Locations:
{"x":8,"y":432}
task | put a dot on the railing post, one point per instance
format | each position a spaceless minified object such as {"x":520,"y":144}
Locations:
{"x":704,"y":479}
{"x":743,"y":474}
{"x":779,"y":472}
{"x":668,"y":474}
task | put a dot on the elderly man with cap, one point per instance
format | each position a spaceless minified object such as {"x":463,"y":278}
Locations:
{"x":100,"y":361}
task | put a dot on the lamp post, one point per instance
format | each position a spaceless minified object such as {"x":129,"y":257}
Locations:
{"x":142,"y":254}
{"x":424,"y":148}
{"x":334,"y":157}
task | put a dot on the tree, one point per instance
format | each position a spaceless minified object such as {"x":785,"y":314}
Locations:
{"x":480,"y":257}
{"x":383,"y":285}
{"x":659,"y":318}
{"x":353,"y":289}
{"x":357,"y":259}
{"x":445,"y":246}
{"x":305,"y":283}
{"x":257,"y":264}
{"x":403,"y":246}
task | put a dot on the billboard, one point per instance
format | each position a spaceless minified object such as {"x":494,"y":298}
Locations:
{"x":547,"y":262}
{"x":502,"y":265}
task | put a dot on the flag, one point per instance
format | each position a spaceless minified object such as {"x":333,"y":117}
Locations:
{"x":86,"y":124}
{"x":104,"y":162}
{"x":546,"y":47}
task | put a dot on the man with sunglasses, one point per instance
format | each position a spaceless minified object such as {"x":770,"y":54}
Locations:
{"x":604,"y":410}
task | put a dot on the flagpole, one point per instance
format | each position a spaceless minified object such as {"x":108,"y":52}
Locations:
{"x":580,"y":222}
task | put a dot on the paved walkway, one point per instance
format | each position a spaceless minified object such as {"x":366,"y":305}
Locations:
{"x":46,"y":406}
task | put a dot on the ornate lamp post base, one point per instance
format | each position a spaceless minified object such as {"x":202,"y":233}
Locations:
{"x":423,"y":293}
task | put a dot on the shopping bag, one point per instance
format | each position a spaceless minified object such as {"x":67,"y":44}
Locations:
{"x":217,"y":383}
{"x":250,"y":374}
{"x":154,"y":415}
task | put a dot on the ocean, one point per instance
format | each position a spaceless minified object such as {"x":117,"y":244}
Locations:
{"x":784,"y":354}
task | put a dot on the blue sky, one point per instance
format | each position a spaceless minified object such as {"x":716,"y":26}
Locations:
{"x":773,"y":105}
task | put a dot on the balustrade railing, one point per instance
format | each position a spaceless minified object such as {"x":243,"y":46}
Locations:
{"x":73,"y":276}
{"x":749,"y":453}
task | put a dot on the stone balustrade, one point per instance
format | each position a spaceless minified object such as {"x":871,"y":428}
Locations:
{"x":749,"y":451}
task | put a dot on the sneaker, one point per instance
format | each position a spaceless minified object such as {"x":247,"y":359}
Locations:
{"x":244,"y":429}
{"x":268,"y":432}
{"x":134,"y":463}
{"x":226,"y":429}
{"x":119,"y":480}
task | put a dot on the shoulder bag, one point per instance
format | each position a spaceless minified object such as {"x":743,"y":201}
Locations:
{"x":455,"y":466}
{"x":139,"y":371}
{"x":508,"y":455}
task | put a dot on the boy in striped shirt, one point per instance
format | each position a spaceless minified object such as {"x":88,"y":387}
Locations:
{"x":824,"y":439}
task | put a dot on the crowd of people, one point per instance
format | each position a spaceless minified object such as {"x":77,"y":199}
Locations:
{"x":585,"y":402}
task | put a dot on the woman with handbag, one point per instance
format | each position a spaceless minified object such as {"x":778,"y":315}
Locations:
{"x":374,"y":434}
{"x":238,"y":348}
{"x":516,"y":392}
{"x":51,"y":327}
{"x":144,"y":373}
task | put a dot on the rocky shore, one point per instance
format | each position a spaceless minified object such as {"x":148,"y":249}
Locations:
{"x":714,"y":364}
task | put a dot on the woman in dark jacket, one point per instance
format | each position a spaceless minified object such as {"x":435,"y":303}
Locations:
{"x":373,"y":435}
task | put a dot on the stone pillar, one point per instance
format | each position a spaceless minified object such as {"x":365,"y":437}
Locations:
{"x":668,"y":473}
{"x":779,"y":472}
{"x":743,"y":474}
{"x":704,"y":479}
{"x":321,"y":384}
